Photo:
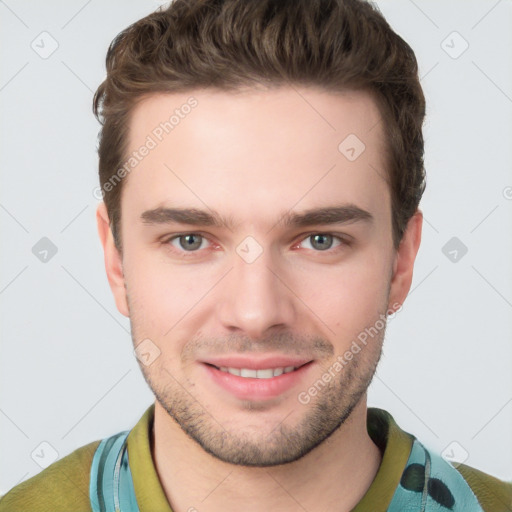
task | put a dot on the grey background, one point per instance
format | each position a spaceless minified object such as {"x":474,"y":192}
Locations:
{"x":68,"y":374}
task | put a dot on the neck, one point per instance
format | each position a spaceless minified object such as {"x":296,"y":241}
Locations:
{"x":333,"y":476}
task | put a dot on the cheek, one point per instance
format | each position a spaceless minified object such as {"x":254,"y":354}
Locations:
{"x":348,"y":296}
{"x":161,"y":295}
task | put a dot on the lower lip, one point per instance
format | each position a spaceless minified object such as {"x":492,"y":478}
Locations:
{"x":247,"y":388}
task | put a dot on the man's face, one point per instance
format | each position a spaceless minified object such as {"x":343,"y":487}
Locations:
{"x":263,"y":292}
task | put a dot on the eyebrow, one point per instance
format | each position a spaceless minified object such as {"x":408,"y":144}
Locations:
{"x":344,"y":214}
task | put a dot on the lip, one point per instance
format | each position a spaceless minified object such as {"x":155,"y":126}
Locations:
{"x":248,"y":388}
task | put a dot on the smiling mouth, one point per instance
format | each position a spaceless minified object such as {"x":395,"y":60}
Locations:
{"x":262,"y":373}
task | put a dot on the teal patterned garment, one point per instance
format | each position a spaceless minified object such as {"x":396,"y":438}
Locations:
{"x":428,"y":483}
{"x":111,"y":484}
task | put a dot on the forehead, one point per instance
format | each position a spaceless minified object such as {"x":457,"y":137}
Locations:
{"x":254,"y":149}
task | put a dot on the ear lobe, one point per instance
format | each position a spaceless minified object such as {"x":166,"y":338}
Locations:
{"x":404,"y":262}
{"x":113,"y":260}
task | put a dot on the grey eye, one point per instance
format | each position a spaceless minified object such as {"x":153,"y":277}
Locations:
{"x":190,"y":242}
{"x":321,"y":242}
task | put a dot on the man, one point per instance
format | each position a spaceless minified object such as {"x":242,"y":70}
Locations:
{"x":262,"y":166}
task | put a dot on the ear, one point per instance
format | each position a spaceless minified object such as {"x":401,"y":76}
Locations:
{"x":113,"y":260}
{"x":404,"y":262}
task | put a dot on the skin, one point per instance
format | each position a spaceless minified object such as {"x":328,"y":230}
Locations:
{"x":252,"y":157}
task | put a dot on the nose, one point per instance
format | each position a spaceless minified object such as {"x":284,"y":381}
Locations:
{"x":256,"y":297}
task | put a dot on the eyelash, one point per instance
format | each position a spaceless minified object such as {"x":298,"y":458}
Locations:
{"x":343,"y":241}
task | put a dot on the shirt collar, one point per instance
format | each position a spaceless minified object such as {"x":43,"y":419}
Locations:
{"x":395,"y":446}
{"x":148,"y":489}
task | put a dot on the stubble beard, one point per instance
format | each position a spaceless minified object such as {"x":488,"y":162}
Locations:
{"x":285,"y":443}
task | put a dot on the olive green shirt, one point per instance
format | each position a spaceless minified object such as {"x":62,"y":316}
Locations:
{"x":64,"y":486}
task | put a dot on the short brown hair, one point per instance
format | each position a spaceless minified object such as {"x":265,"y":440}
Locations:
{"x":334,"y":45}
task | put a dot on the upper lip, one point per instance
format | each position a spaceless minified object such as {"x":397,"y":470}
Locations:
{"x":260,"y":363}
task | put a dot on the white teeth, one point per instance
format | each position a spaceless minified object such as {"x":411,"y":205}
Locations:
{"x":266,"y":373}
{"x":246,"y":372}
